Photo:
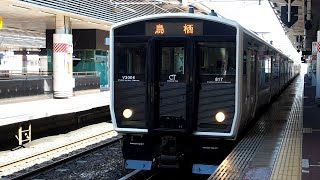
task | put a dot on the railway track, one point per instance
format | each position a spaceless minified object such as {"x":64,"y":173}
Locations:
{"x":105,"y":138}
{"x":160,"y":174}
{"x":140,"y":174}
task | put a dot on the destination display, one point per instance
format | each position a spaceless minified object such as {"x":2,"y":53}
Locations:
{"x":185,"y":28}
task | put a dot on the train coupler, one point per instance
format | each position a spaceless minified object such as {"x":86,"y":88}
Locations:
{"x":170,"y":161}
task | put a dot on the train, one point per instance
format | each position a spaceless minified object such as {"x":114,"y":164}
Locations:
{"x":184,"y":85}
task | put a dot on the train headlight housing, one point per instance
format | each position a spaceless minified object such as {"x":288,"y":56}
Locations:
{"x":127,"y":113}
{"x":220,"y":117}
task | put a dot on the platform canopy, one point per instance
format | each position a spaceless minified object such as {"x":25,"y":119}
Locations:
{"x":306,"y":15}
{"x":24,"y":23}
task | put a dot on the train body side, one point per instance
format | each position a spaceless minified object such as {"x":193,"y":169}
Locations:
{"x":265,"y":73}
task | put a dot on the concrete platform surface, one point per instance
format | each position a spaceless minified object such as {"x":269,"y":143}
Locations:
{"x":15,"y":110}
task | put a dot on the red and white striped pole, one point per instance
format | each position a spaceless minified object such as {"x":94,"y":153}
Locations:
{"x":318,"y":69}
{"x":63,"y":82}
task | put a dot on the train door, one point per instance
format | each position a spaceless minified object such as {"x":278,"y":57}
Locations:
{"x":245,"y":84}
{"x":251,"y":80}
{"x":169,"y":84}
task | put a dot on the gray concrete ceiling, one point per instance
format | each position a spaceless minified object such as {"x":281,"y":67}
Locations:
{"x":25,"y":23}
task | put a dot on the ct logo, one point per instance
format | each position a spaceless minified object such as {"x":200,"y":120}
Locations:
{"x":172,"y":78}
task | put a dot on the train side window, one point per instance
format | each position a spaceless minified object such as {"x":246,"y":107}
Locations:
{"x":244,"y":62}
{"x":275,"y":67}
{"x":265,"y":72}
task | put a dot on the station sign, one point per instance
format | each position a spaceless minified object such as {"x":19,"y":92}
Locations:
{"x":168,"y":28}
{"x":293,"y":15}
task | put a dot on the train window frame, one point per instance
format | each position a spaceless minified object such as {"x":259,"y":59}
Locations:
{"x":172,"y":61}
{"x":134,"y":74}
{"x":229,"y":58}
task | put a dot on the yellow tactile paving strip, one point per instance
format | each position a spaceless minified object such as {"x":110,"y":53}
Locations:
{"x":288,"y":163}
{"x":272,"y":148}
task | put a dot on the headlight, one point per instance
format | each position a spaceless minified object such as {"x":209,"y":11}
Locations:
{"x":127,"y":113}
{"x":220,"y":117}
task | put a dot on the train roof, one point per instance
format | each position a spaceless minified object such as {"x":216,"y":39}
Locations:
{"x":178,"y":15}
{"x":196,"y":16}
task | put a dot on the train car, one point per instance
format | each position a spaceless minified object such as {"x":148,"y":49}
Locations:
{"x":184,"y":85}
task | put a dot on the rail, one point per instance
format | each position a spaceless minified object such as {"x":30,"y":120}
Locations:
{"x":18,"y":74}
{"x":107,"y":138}
{"x":85,"y":73}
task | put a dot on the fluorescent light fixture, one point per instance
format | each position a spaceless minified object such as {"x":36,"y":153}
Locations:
{"x":94,"y":23}
{"x":11,"y":27}
{"x":169,"y":2}
{"x":127,"y":8}
{"x":116,"y":9}
{"x":31,"y":30}
{"x":48,"y":13}
{"x":75,"y":19}
{"x":20,"y":7}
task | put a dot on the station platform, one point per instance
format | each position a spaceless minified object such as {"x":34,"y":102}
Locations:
{"x":283,"y":143}
{"x":21,"y":109}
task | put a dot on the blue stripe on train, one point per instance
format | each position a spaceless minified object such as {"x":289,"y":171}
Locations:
{"x":203,"y":169}
{"x":138,"y":164}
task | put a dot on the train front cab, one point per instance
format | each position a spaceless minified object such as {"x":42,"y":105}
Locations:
{"x":167,"y":91}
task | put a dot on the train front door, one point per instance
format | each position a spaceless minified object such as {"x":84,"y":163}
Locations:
{"x":170,"y":97}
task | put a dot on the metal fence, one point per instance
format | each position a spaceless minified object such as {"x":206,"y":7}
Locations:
{"x":18,"y":74}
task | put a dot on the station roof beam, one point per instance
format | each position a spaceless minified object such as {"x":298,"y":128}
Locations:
{"x":307,"y":24}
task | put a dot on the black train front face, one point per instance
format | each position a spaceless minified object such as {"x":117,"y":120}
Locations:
{"x":175,"y":87}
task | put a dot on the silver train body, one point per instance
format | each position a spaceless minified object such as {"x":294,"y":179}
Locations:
{"x":182,"y":85}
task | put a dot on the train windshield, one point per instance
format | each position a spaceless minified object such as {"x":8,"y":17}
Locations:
{"x":131,"y":62}
{"x":129,"y":82}
{"x":217,"y":62}
{"x":172,"y":60}
{"x":217,"y":58}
